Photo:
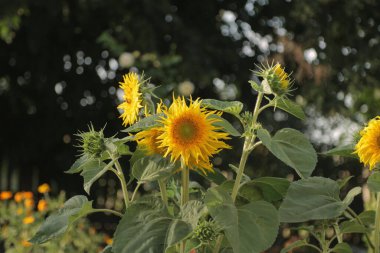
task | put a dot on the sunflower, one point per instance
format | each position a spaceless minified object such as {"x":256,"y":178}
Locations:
{"x":132,"y":98}
{"x":147,"y":139}
{"x":368,"y":147}
{"x":188,"y":133}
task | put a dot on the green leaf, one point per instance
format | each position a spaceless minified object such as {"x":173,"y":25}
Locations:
{"x":271,"y":188}
{"x":152,"y":168}
{"x":352,"y":226}
{"x":249,"y":228}
{"x":232,"y":107}
{"x":290,"y":107}
{"x":224,"y":125}
{"x":148,"y":229}
{"x":296,"y":244}
{"x":374,"y":182}
{"x":291,"y":147}
{"x":314,"y":198}
{"x":351,"y":195}
{"x":145,"y":123}
{"x":368,"y":217}
{"x":342,"y":248}
{"x":214,"y":176}
{"x":92,"y":173}
{"x":80,"y":164}
{"x":57,"y":224}
{"x":345,"y":151}
{"x":192,"y":211}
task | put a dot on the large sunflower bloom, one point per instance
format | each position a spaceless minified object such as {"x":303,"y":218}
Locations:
{"x":188,"y":133}
{"x":132,"y":98}
{"x":368,"y":147}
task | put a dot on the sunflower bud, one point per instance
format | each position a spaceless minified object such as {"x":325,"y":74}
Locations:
{"x":276,"y":80}
{"x":92,"y":143}
{"x":206,"y":231}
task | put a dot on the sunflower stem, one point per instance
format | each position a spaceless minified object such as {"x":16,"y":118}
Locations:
{"x":164,"y":194}
{"x":184,"y":194}
{"x":119,"y":173}
{"x":377,"y":225}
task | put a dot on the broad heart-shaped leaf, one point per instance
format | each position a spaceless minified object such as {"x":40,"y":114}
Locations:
{"x":296,"y":244}
{"x":291,"y":147}
{"x":145,"y":228}
{"x":151,"y":168}
{"x":145,"y":123}
{"x":224,"y":125}
{"x":233,"y":107}
{"x":345,"y":151}
{"x":374,"y":182}
{"x":57,"y":224}
{"x":93,"y":173}
{"x":271,"y":188}
{"x":342,"y":248}
{"x":314,"y":198}
{"x":249,"y":228}
{"x":290,"y":107}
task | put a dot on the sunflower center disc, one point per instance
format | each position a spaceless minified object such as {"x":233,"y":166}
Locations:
{"x":187,"y":130}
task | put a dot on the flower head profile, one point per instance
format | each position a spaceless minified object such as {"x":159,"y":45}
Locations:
{"x":276,"y":78}
{"x":148,"y":139}
{"x":132,"y":98}
{"x":189,"y":134}
{"x":368,"y":147}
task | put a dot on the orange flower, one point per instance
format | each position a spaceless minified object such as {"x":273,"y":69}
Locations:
{"x":42,"y":205}
{"x":28,"y":220}
{"x":18,"y":197}
{"x":26,"y":243}
{"x":44,"y":188}
{"x":5,"y":195}
{"x":29,"y":203}
{"x":27,"y":195}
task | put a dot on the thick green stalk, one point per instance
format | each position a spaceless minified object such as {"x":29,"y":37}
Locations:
{"x":121,"y":177}
{"x":185,"y":173}
{"x":377,"y":225}
{"x":185,"y":185}
{"x":240,"y":172}
{"x":164,"y":194}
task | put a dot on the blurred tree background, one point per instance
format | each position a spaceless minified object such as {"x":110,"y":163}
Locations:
{"x":61,"y":61}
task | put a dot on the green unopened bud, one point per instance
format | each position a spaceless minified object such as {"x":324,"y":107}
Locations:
{"x":276,"y":80}
{"x":91,"y":142}
{"x":206,"y":231}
